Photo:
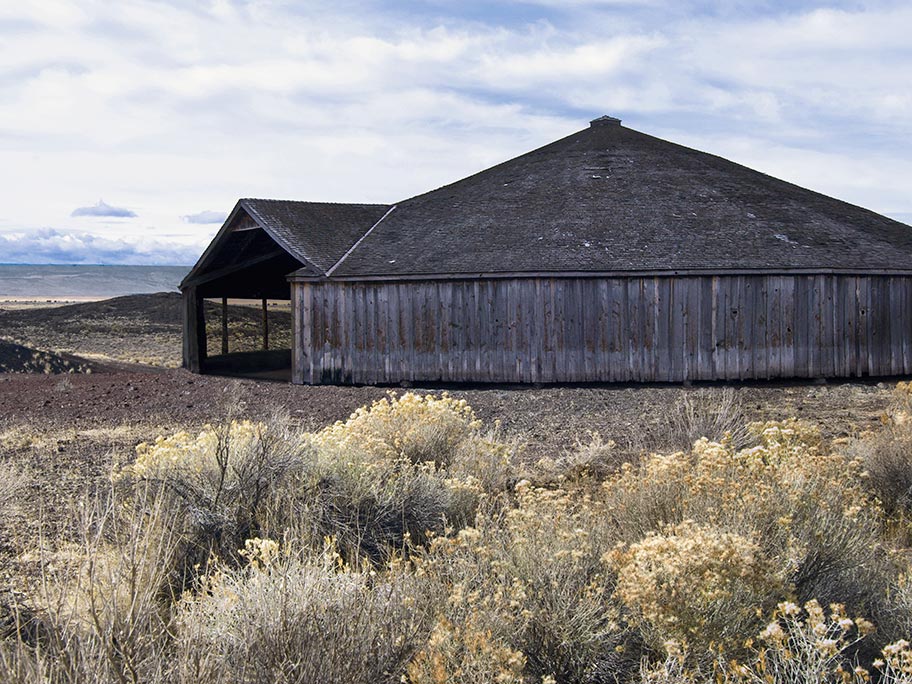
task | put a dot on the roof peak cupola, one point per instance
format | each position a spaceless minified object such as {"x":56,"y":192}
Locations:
{"x":605,"y":121}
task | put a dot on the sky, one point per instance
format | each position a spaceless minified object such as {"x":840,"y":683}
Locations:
{"x":129,"y":128}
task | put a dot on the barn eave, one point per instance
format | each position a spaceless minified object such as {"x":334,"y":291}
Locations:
{"x":302,"y":276}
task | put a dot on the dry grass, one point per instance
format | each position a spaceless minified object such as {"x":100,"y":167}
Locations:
{"x":303,"y":618}
{"x":404,"y":545}
{"x":718,"y":416}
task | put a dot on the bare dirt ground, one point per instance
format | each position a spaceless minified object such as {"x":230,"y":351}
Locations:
{"x":66,"y":430}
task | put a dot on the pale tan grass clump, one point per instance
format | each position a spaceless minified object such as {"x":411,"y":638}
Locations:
{"x":592,"y":459}
{"x":715,"y":414}
{"x":101,"y":615}
{"x":302,"y":617}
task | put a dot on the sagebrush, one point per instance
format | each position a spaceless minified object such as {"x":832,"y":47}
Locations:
{"x":410,"y":543}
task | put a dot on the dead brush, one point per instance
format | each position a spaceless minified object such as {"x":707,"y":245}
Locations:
{"x":303,"y":617}
{"x":219,"y":483}
{"x":103,"y":615}
{"x":716,"y":414}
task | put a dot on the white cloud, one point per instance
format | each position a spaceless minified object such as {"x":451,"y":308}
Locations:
{"x":204,"y":217}
{"x":61,"y":247}
{"x":102,"y":208}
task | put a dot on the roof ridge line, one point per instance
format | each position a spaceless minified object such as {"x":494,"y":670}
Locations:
{"x":293,"y":201}
{"x":360,"y":240}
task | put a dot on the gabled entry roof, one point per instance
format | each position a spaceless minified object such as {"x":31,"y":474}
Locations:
{"x":315,"y":234}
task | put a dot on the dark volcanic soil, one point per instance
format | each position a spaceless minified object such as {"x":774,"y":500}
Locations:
{"x":550,"y":419}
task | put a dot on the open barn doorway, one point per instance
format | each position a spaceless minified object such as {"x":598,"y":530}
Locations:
{"x":248,"y":338}
{"x":237,"y":305}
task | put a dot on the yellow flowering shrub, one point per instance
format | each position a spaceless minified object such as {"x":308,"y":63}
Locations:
{"x":465,"y":654}
{"x":694,"y":584}
{"x":421,"y":429}
{"x":221,"y":453}
{"x":223,"y":483}
{"x":397,"y":470}
{"x":260,"y":553}
{"x":533,"y":577}
{"x":806,"y":506}
{"x":895,"y":667}
{"x":416,"y":427}
{"x":786,"y":472}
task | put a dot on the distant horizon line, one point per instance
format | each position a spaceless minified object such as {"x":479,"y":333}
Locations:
{"x":3,"y":263}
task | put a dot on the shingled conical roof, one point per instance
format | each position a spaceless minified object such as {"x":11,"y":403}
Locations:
{"x":611,"y":199}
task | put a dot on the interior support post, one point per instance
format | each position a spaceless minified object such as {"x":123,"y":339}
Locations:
{"x":265,"y":327}
{"x":201,"y":338}
{"x":224,"y":325}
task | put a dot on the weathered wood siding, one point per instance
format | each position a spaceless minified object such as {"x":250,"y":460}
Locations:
{"x":642,"y":329}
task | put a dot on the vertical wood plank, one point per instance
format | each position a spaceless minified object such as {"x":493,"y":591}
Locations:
{"x":774,"y":325}
{"x":721,"y":327}
{"x":759,"y":340}
{"x":530,"y":311}
{"x":611,"y":361}
{"x":305,"y":326}
{"x":707,"y":343}
{"x":906,"y":323}
{"x":801,"y":327}
{"x":881,"y":323}
{"x":638,"y":294}
{"x":787,"y":327}
{"x":648,"y":353}
{"x":674,"y":334}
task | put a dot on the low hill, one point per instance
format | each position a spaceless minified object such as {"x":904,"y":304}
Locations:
{"x":16,"y":358}
{"x":136,"y":328}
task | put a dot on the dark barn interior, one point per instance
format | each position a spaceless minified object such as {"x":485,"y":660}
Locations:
{"x":247,"y":264}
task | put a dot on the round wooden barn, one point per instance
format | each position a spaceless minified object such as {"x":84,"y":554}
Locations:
{"x":607,"y":256}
